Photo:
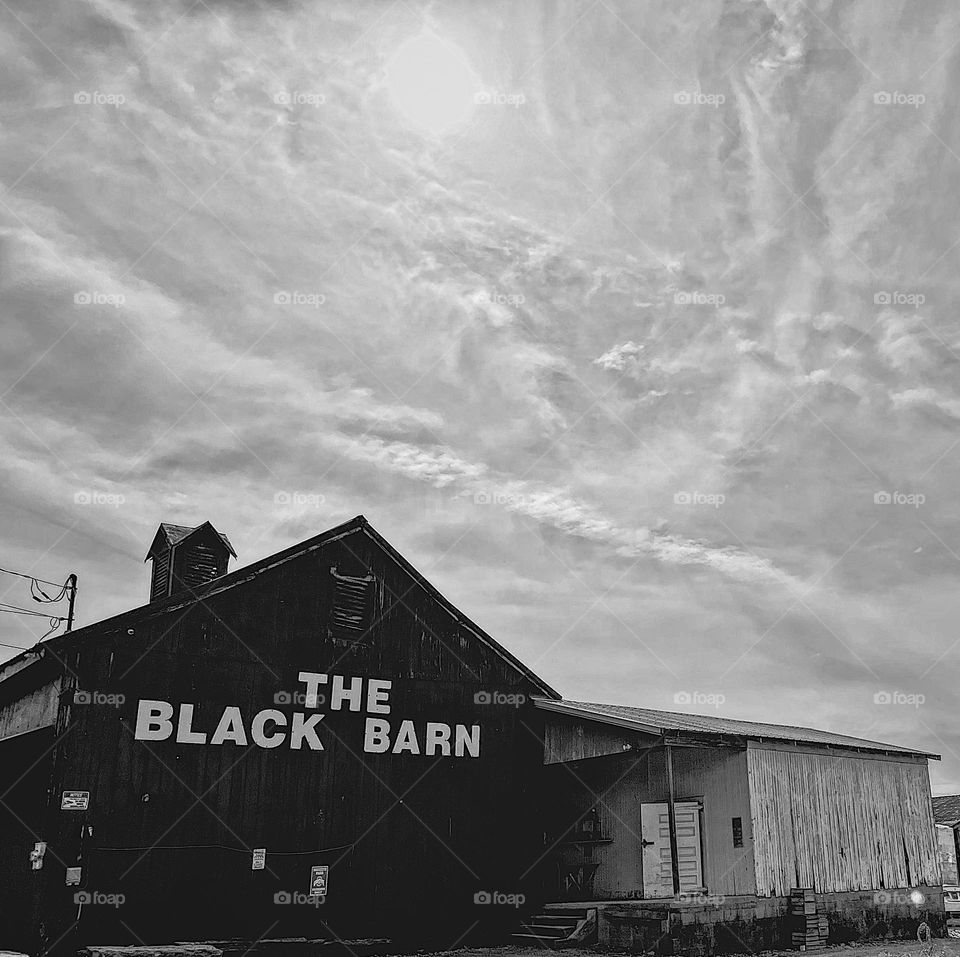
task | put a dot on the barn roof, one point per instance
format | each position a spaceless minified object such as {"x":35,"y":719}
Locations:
{"x":946,"y":809}
{"x":174,"y":534}
{"x":661,"y":723}
{"x":236,"y":578}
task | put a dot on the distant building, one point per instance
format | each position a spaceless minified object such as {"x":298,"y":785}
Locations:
{"x":320,"y":744}
{"x":946,"y":814}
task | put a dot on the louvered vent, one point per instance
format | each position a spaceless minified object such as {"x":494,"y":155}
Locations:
{"x":160,"y":579}
{"x":352,"y":605}
{"x":185,"y":558}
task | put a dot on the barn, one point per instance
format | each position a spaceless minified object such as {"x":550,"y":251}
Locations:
{"x":320,"y":745}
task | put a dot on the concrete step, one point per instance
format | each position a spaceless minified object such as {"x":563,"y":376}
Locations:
{"x":558,"y":919}
{"x":527,"y":940}
{"x":551,"y":931}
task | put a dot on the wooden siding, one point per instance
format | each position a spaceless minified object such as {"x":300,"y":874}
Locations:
{"x":840,"y":822}
{"x":566,"y":740}
{"x":35,"y":710}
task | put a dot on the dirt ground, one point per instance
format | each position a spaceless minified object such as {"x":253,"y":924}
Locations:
{"x":948,"y":947}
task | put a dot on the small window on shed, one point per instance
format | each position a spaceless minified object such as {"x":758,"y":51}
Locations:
{"x":352,"y":605}
{"x":738,"y":832}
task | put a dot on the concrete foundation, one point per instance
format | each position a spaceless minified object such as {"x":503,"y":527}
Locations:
{"x":702,"y":925}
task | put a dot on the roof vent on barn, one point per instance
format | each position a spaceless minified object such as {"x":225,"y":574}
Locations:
{"x":185,"y":558}
{"x":352,"y":601}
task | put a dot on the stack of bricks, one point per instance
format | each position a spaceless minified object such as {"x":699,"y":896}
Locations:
{"x":808,"y":922}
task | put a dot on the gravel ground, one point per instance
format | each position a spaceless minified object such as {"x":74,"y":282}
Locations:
{"x":948,"y":947}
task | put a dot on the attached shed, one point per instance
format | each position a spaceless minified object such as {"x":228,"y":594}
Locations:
{"x":712,"y":816}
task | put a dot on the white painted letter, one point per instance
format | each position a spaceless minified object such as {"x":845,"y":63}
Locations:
{"x":339,"y":694}
{"x":184,"y":733}
{"x":438,"y":735}
{"x":257,"y":731}
{"x":378,"y":691}
{"x":230,"y":727}
{"x":313,"y":681}
{"x":305,"y":731}
{"x":153,"y":720}
{"x":406,"y":739}
{"x":376,"y":737}
{"x":470,"y":742}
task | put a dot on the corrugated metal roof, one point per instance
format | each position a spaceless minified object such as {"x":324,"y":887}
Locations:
{"x":661,"y":722}
{"x":946,"y":809}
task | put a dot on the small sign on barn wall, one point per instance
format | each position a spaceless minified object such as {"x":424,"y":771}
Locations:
{"x":259,"y":859}
{"x":75,"y":801}
{"x":318,"y":880}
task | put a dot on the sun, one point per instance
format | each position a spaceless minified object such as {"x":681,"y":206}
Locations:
{"x":431,"y":83}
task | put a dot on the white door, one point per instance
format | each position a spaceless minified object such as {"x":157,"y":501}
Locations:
{"x":655,"y":831}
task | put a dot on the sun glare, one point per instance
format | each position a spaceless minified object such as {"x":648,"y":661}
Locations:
{"x":431,"y":83}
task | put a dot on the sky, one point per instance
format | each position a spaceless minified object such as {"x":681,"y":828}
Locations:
{"x":631,"y":324}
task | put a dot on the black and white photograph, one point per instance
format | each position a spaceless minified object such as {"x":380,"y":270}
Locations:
{"x":479,"y":478}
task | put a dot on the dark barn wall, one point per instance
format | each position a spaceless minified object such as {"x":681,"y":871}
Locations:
{"x":26,"y":763}
{"x":410,"y":838}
